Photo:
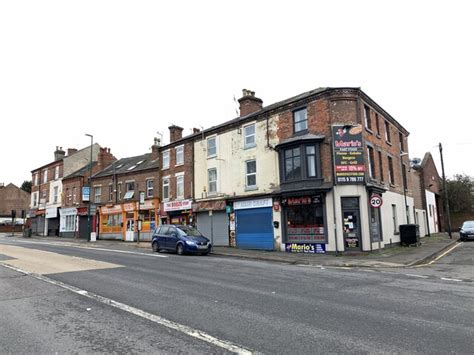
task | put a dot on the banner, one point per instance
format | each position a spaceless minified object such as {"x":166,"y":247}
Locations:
{"x":349,"y":165}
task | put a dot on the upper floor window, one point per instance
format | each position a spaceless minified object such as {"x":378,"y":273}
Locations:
{"x":36,"y":179}
{"x":251,"y":173}
{"x":387,"y":132}
{"x":130,"y":186}
{"x":45,"y":176}
{"x":149,"y":188}
{"x":56,"y":173}
{"x":55,"y":194}
{"x":212,"y":180}
{"x":180,"y":186}
{"x":381,"y":166}
{"x":166,"y":159}
{"x":111,"y":192}
{"x":293,"y":164}
{"x":300,"y":120}
{"x":180,"y":155}
{"x":119,"y":188}
{"x":377,"y":123}
{"x":74,"y":194}
{"x":166,"y":189}
{"x":402,"y":145}
{"x":35,"y":199}
{"x":249,"y":136}
{"x":300,"y":162}
{"x":97,"y":194}
{"x":68,"y":197}
{"x":368,"y":120}
{"x":311,"y":160}
{"x":391,"y":178}
{"x":370,"y":156}
{"x":211,"y":147}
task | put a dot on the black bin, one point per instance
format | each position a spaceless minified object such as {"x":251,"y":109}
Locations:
{"x":409,"y":234}
{"x":27,"y":233}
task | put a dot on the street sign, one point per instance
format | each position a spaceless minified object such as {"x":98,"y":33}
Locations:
{"x":142,"y":198}
{"x":85,"y":193}
{"x":376,"y":200}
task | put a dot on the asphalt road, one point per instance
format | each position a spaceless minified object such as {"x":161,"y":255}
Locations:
{"x":238,"y":304}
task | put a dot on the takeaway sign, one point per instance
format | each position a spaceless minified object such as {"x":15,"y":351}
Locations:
{"x":349,"y":166}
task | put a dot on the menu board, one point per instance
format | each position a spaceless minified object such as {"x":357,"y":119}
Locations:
{"x":348,"y":150}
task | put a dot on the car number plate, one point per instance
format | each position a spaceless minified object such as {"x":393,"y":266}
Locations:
{"x":202,"y":246}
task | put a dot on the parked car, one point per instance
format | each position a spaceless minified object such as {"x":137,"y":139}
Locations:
{"x":467,"y":230}
{"x":180,"y":239}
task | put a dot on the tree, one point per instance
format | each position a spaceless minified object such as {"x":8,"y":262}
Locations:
{"x":26,"y":186}
{"x":460,"y":193}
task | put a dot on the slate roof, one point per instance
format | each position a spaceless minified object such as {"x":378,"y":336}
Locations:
{"x":129,"y":165}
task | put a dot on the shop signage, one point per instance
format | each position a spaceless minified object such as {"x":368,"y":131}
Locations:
{"x":52,"y":212}
{"x":177,"y":205}
{"x":349,"y":165}
{"x":148,"y":205}
{"x":68,"y":211}
{"x":111,"y":210}
{"x":85,"y":193}
{"x":312,"y":248}
{"x":129,"y":207}
{"x":376,"y":200}
{"x":264,"y":202}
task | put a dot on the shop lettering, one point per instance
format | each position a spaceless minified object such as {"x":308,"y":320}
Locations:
{"x":350,"y":144}
{"x":305,"y":248}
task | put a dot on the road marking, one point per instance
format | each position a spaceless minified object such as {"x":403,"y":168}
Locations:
{"x":440,"y":256}
{"x":195,"y":333}
{"x":414,"y":275}
{"x":449,"y":279}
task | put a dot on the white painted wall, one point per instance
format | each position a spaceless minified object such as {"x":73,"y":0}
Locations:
{"x":389,"y":199}
{"x":52,"y":185}
{"x":230,"y":162}
{"x":422,"y":222}
{"x":433,"y":219}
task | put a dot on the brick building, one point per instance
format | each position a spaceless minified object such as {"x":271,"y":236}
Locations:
{"x":12,"y":198}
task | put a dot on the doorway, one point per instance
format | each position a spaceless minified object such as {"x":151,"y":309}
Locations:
{"x":351,"y":223}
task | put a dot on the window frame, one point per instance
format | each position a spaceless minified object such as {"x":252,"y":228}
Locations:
{"x":55,"y":194}
{"x":111,"y":192}
{"x":214,"y":138}
{"x":380,"y":166}
{"x":209,"y":181}
{"x":180,"y":181}
{"x":56,"y":172}
{"x":148,"y":188}
{"x":367,"y":118}
{"x":295,"y":112}
{"x":248,"y":145}
{"x":371,"y":161}
{"x":166,"y":196}
{"x":45,"y":176}
{"x":165,"y":153}
{"x":388,"y":137}
{"x":179,"y":148}
{"x":391,"y":177}
{"x":247,"y":174}
{"x":97,"y":196}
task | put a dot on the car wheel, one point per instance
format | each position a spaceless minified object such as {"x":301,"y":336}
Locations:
{"x":155,"y":247}
{"x":180,"y":249}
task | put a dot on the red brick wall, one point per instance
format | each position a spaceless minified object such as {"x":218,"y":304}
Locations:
{"x":13,"y":198}
{"x":187,"y":168}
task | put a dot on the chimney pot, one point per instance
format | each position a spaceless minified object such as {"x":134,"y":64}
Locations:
{"x":249,"y":103}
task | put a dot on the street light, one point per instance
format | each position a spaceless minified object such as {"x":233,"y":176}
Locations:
{"x":90,"y":192}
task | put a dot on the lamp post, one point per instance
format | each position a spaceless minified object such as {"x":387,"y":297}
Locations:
{"x":90,"y":192}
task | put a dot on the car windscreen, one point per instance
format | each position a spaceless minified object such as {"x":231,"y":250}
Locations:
{"x":468,"y":224}
{"x":190,"y":231}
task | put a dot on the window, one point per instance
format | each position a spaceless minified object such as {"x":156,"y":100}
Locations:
{"x":149,"y":188}
{"x":35,"y":199}
{"x":180,"y":186}
{"x":111,"y":192}
{"x":45,"y":176}
{"x":368,"y":120}
{"x":166,"y":159}
{"x":211,"y":147}
{"x":73,"y":194}
{"x":394,"y":218}
{"x":370,"y":156}
{"x":56,"y":173}
{"x":292,"y":164}
{"x":70,"y":225}
{"x":300,"y":120}
{"x":390,"y":171}
{"x":119,"y":191}
{"x":249,"y":136}
{"x":36,"y":179}
{"x":402,"y":145}
{"x":130,"y":186}
{"x":380,"y":166}
{"x":97,"y":193}
{"x":377,"y":123}
{"x":212,"y":180}
{"x":55,"y":194}
{"x":251,"y":173}
{"x":68,"y":197}
{"x":180,"y":155}
{"x":166,"y":188}
{"x":311,"y":160}
{"x":387,"y":132}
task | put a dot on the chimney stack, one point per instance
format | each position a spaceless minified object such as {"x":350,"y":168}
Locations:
{"x":71,"y":151}
{"x":155,"y":149}
{"x":196,"y":130}
{"x":176,"y":133}
{"x":104,"y":159}
{"x":59,"y":153}
{"x":249,"y":103}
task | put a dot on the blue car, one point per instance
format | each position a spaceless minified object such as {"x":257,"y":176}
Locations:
{"x":180,"y":239}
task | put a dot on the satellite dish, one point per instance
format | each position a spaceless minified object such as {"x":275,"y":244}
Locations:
{"x":415,"y":162}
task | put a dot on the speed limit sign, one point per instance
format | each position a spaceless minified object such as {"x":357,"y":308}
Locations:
{"x":376,"y":200}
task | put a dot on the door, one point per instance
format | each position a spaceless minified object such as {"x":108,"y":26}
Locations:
{"x":254,"y":228}
{"x":214,"y":227}
{"x":351,"y":223}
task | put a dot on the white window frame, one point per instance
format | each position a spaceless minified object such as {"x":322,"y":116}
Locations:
{"x":180,"y":186}
{"x":55,"y":194}
{"x":56,"y":172}
{"x":166,"y":154}
{"x":97,"y":196}
{"x":247,"y":174}
{"x":45,"y":176}
{"x":209,"y":182}
{"x":253,"y":135}
{"x":166,"y":183}
{"x":74,"y":191}
{"x":36,"y":179}
{"x":119,"y":188}
{"x":149,"y":189}
{"x":209,"y":154}
{"x":179,"y":151}
{"x":35,"y":198}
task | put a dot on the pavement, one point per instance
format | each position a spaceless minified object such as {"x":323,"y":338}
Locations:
{"x":391,"y":257}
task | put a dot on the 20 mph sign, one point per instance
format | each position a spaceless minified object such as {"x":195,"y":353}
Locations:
{"x":376,"y":201}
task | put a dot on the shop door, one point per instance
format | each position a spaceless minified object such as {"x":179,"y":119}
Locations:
{"x":351,"y":223}
{"x":214,"y":227}
{"x":254,"y":228}
{"x":130,"y":231}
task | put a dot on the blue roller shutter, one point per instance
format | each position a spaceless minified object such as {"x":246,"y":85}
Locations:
{"x":254,"y":228}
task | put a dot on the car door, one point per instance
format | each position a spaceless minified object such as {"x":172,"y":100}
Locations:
{"x":163,"y":237}
{"x":172,"y":238}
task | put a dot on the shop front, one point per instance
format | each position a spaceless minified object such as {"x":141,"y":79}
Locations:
{"x":212,"y":221}
{"x":111,"y":222}
{"x":304,"y":224}
{"x":254,"y":224}
{"x":68,"y":222}
{"x":177,"y":212}
{"x":52,"y":222}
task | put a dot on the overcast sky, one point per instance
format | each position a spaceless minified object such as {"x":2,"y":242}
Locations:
{"x":125,"y":70}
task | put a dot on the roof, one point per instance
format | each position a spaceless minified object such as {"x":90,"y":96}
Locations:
{"x":81,"y":172}
{"x":302,"y":138}
{"x":129,"y":165}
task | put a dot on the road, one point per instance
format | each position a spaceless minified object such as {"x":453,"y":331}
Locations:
{"x":97,"y":300}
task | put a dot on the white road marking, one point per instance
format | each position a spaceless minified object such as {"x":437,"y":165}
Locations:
{"x":414,"y":275}
{"x":195,"y":333}
{"x":66,"y":244}
{"x":449,"y":279}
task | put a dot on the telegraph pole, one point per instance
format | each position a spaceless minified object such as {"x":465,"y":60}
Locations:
{"x":446,"y":202}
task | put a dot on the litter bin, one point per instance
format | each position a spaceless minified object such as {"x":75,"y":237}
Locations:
{"x":409,"y":234}
{"x":27,"y":233}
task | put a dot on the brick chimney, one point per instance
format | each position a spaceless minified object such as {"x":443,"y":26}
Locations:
{"x":59,"y":153}
{"x":176,"y":133}
{"x":71,"y":151}
{"x":249,"y":103}
{"x":155,"y":149}
{"x":196,"y":130}
{"x":104,"y":159}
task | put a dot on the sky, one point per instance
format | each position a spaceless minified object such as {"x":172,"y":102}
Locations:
{"x":124,"y":71}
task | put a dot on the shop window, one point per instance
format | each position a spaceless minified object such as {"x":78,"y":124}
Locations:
{"x":249,"y":136}
{"x":305,"y":221}
{"x":300,"y":121}
{"x":70,"y":225}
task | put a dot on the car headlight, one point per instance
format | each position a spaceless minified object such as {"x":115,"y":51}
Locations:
{"x":190,"y":242}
